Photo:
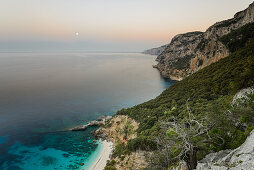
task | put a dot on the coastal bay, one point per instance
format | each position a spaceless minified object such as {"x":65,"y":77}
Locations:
{"x":44,"y":94}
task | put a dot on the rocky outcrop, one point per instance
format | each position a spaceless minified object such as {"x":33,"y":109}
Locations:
{"x":190,"y":52}
{"x":240,"y":158}
{"x":155,"y":51}
{"x":241,"y":96}
{"x":114,"y":128}
{"x":99,"y":122}
{"x":178,"y":54}
{"x":120,"y":129}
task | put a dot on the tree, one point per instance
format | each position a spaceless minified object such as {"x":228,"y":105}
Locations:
{"x":182,"y":139}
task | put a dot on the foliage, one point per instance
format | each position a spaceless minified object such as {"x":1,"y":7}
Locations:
{"x":203,"y":43}
{"x":238,"y":38}
{"x":120,"y":149}
{"x":110,"y":165}
{"x":226,"y":23}
{"x":183,"y":62}
{"x":141,"y":142}
{"x":127,"y":130}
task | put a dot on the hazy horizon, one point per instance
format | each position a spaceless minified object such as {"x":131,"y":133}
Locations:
{"x":117,"y":25}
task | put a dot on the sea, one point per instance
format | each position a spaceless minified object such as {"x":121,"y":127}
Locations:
{"x":43,"y":94}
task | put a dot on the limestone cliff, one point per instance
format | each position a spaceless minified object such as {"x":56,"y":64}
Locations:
{"x":155,"y":51}
{"x":190,"y":52}
{"x":240,"y":158}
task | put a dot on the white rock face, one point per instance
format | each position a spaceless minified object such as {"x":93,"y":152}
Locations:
{"x":242,"y":158}
{"x":242,"y":95}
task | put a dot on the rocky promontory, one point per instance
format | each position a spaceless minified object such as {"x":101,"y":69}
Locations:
{"x":190,"y":52}
{"x":99,"y":122}
{"x":155,"y":51}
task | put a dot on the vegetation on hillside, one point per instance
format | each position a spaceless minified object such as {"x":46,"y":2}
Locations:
{"x":208,"y":94}
{"x":238,"y":38}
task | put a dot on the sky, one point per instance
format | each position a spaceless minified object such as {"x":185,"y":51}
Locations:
{"x":106,"y":25}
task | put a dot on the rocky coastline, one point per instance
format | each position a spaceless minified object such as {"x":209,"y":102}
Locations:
{"x":187,"y":53}
{"x":155,"y":51}
{"x":111,"y":132}
{"x":99,"y":122}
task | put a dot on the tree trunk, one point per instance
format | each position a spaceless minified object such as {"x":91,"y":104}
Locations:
{"x":192,"y":159}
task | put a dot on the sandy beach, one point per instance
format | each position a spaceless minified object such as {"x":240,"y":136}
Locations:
{"x":101,"y":162}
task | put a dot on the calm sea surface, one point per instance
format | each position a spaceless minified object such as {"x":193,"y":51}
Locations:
{"x":42,"y":94}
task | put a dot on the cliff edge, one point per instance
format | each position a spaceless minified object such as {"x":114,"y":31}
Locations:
{"x":190,"y":52}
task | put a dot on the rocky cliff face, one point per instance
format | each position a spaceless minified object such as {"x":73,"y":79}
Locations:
{"x":240,"y":158}
{"x":190,"y":52}
{"x":155,"y":51}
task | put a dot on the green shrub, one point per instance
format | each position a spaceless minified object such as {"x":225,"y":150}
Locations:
{"x":238,"y":38}
{"x":110,"y":168}
{"x":120,"y":149}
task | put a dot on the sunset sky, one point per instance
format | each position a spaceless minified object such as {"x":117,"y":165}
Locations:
{"x":106,"y":25}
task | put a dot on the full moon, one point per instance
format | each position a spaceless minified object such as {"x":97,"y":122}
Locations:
{"x":77,"y":33}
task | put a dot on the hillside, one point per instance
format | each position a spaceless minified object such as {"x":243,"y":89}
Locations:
{"x":198,"y":112}
{"x":190,"y":52}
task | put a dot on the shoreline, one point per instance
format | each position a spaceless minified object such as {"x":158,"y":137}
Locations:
{"x":104,"y":156}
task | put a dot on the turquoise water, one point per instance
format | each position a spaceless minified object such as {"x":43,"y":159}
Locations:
{"x":43,"y":94}
{"x":94,"y":156}
{"x":38,"y":158}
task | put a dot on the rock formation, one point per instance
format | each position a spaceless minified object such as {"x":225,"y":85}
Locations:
{"x":120,"y":129}
{"x":190,"y":52}
{"x":101,"y":121}
{"x":242,"y":95}
{"x":240,"y":158}
{"x":155,"y":51}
